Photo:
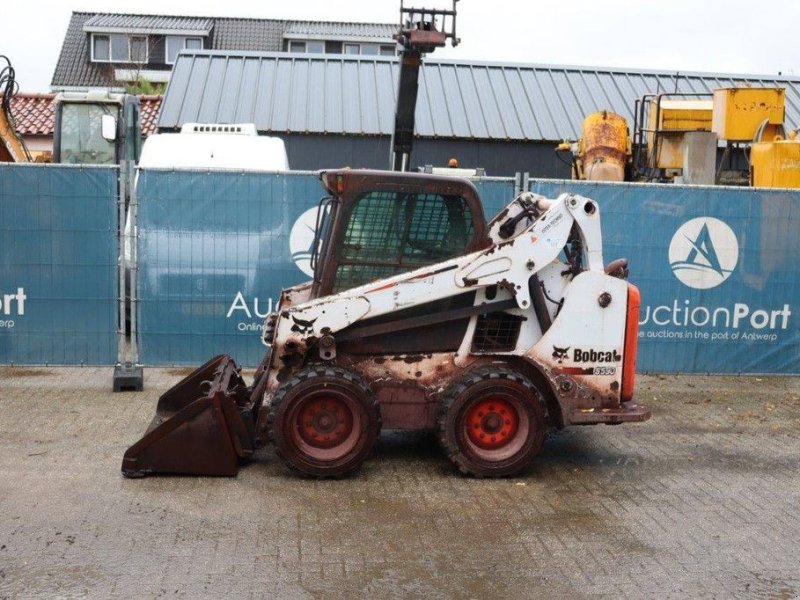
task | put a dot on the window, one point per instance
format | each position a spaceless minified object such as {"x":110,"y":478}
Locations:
{"x":370,"y":49}
{"x":101,"y":48}
{"x":176,"y":43}
{"x":81,"y":139}
{"x":315,"y":47}
{"x":119,"y":48}
{"x":394,"y":232}
{"x":138,"y":49}
{"x":311,"y":46}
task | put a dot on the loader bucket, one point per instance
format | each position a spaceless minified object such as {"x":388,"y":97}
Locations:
{"x":203,"y":426}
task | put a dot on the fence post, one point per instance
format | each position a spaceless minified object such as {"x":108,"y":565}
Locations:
{"x":128,"y":373}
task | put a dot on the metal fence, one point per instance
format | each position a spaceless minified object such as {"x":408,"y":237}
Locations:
{"x":58,"y":264}
{"x":718,"y":269}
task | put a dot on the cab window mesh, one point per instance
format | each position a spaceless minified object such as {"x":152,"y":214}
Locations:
{"x":393,"y":232}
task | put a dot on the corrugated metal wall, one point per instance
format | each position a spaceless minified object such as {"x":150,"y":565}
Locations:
{"x":354,"y":95}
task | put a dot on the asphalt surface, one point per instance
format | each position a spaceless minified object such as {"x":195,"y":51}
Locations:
{"x":702,"y":501}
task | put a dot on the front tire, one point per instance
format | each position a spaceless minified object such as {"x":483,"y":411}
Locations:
{"x":492,"y":422}
{"x":324,"y":421}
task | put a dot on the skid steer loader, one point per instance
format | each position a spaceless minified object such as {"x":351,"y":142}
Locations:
{"x":420,"y":316}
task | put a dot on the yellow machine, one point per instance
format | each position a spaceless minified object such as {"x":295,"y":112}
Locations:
{"x":672,"y":137}
{"x":776,"y":164}
{"x":604,"y":150}
{"x":740,"y":112}
{"x":12,"y":148}
{"x":669,"y":121}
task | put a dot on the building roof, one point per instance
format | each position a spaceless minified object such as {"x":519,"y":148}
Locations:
{"x":147,"y":23}
{"x":33,"y":113}
{"x":342,"y":94}
{"x":323,"y":29}
{"x":74,"y":69}
{"x":148,"y":111}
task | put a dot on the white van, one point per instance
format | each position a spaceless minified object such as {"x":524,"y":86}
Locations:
{"x":215,"y":146}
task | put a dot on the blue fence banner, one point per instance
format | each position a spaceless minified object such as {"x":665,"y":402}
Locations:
{"x":215,"y":250}
{"x":58,"y":264}
{"x":717,"y":267}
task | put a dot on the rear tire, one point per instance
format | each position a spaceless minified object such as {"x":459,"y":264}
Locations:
{"x":492,"y":422}
{"x":324,"y":421}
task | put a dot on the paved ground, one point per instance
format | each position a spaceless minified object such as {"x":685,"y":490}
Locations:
{"x":702,"y":501}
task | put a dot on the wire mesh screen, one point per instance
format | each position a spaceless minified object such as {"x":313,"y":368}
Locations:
{"x":496,"y":332}
{"x":58,"y":264}
{"x":391,"y":232}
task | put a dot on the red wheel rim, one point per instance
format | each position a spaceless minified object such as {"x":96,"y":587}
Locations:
{"x":326,"y":425}
{"x":324,"y":422}
{"x":492,"y":423}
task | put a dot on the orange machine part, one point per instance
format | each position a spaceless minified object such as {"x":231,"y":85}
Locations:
{"x":631,"y":341}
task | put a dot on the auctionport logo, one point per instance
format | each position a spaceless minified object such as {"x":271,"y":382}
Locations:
{"x":703,"y":253}
{"x":301,"y":240}
{"x":11,"y":305}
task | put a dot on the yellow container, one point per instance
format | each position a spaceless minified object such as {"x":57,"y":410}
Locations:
{"x":738,"y":112}
{"x":681,"y":115}
{"x":775,"y":164}
{"x":674,"y":119}
{"x":604,"y":146}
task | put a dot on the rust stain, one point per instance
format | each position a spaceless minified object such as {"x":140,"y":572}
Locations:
{"x":24,"y":372}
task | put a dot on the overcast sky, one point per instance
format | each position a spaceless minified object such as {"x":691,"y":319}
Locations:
{"x":732,"y":36}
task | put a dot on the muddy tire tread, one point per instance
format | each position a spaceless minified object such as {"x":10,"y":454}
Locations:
{"x":486,"y":373}
{"x":305,"y":374}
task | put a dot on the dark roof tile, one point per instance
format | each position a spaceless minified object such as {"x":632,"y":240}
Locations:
{"x":74,"y":68}
{"x":148,"y":22}
{"x":381,"y":31}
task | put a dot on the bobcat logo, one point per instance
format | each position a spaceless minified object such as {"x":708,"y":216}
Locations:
{"x":301,"y":326}
{"x":560,"y":353}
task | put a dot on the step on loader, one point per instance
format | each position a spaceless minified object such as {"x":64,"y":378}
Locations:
{"x":420,"y":316}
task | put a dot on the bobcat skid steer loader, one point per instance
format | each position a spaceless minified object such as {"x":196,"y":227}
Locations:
{"x":420,"y":316}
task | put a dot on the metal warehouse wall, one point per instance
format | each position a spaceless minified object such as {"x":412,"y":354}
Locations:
{"x":500,"y":159}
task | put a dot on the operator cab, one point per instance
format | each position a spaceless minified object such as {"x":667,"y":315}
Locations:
{"x":377,"y":224}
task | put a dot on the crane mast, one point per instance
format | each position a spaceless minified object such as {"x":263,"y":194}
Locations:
{"x":422,"y":30}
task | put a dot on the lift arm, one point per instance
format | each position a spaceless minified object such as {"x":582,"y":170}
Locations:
{"x":533,"y":245}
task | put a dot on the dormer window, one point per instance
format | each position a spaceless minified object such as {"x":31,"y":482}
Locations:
{"x":338,"y":47}
{"x":119,"y":48}
{"x":176,"y":43}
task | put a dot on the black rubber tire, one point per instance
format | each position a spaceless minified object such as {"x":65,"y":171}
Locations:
{"x":311,"y":382}
{"x":478,"y":385}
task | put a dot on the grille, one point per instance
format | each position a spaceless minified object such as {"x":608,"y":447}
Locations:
{"x":496,"y":332}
